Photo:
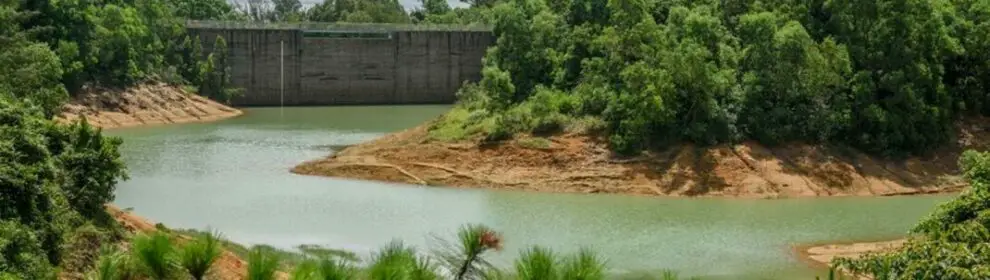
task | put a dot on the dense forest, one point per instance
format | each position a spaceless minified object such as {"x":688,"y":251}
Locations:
{"x":887,"y":77}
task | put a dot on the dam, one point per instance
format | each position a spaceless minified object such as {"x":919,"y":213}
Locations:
{"x":312,"y":64}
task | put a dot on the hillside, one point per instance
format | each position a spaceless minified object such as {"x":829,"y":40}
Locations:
{"x":147,"y":104}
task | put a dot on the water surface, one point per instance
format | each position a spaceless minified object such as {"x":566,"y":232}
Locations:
{"x":233,"y":176}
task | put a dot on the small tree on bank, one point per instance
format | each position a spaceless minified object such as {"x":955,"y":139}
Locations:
{"x":215,"y":83}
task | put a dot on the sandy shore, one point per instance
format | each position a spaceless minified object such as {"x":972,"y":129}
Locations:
{"x":822,"y":255}
{"x":142,"y":105}
{"x":583,"y":164}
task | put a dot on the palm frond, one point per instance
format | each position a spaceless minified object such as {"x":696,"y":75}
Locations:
{"x":198,"y":255}
{"x":465,"y":258}
{"x":585,"y":265}
{"x":537,"y":263}
{"x":331,"y":269}
{"x":155,"y":255}
{"x":262,"y":264}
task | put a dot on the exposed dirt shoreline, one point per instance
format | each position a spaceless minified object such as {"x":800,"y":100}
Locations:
{"x":583,"y":164}
{"x":821,"y":255}
{"x":228,"y":267}
{"x":144,"y":105}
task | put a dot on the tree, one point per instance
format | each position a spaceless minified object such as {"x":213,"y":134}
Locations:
{"x":374,"y":11}
{"x":435,"y":7}
{"x":897,"y":47}
{"x":203,"y":9}
{"x":216,"y":74}
{"x":191,"y":64}
{"x":91,"y":163}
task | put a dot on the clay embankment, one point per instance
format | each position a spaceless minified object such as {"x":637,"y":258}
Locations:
{"x":228,"y":267}
{"x":148,"y":104}
{"x":583,"y":164}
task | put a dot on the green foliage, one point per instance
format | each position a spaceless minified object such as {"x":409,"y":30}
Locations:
{"x":91,"y":163}
{"x":215,"y":82}
{"x":306,"y":270}
{"x":584,"y":265}
{"x":359,"y":11}
{"x":203,"y":9}
{"x":22,"y":254}
{"x":155,"y":256}
{"x":888,"y":77}
{"x":262,"y":264}
{"x":396,"y":261}
{"x":952,"y":243}
{"x":191,"y":66}
{"x":331,"y":269}
{"x":32,"y":71}
{"x":464,"y":259}
{"x":83,"y":248}
{"x":198,"y":255}
{"x":537,"y":263}
{"x":112,"y":265}
{"x":51,"y":176}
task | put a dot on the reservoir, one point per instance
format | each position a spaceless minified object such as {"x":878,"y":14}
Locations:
{"x":233,"y":176}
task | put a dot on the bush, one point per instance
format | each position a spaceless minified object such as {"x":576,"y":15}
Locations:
{"x":21,"y":253}
{"x":92,"y":165}
{"x":952,"y":242}
{"x":155,"y":256}
{"x":262,"y":264}
{"x":198,"y":255}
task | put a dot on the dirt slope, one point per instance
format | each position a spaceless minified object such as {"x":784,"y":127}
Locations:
{"x":228,"y":267}
{"x":579,"y":163}
{"x":147,"y":104}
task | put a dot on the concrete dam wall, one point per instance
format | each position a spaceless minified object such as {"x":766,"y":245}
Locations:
{"x":347,"y":65}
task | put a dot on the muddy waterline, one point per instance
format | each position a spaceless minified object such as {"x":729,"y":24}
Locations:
{"x":233,"y":176}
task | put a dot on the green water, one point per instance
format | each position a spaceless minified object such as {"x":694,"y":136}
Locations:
{"x":233,"y":176}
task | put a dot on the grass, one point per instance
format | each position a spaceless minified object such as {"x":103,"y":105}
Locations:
{"x":198,"y":255}
{"x":155,"y":255}
{"x":536,"y":143}
{"x":459,"y":124}
{"x":262,"y":264}
{"x":287,"y":258}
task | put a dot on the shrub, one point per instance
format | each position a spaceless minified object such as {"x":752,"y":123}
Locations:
{"x":262,"y":264}
{"x":111,"y":265}
{"x":953,"y":241}
{"x":198,"y":255}
{"x":155,"y":255}
{"x":396,"y":261}
{"x":331,"y":269}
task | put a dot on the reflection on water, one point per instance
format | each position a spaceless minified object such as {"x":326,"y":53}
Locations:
{"x":233,"y":176}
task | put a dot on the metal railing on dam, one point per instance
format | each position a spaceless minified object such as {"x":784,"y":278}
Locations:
{"x":335,"y":26}
{"x":347,"y":63}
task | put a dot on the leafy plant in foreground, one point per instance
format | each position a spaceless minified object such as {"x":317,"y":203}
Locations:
{"x":262,"y":264}
{"x":155,"y":255}
{"x":198,"y":255}
{"x":397,"y":261}
{"x":465,"y":260}
{"x":333,"y":269}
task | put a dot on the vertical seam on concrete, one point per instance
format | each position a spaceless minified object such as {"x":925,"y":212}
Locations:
{"x":395,"y":65}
